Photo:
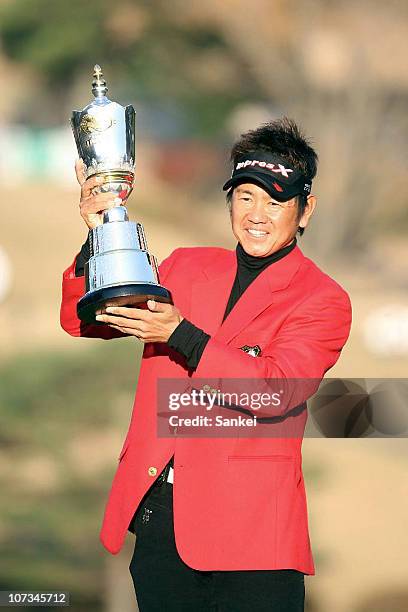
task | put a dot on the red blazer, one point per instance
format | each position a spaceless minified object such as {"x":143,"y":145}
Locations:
{"x":239,"y":503}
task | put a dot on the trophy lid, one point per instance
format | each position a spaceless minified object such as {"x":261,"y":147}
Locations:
{"x":99,"y":87}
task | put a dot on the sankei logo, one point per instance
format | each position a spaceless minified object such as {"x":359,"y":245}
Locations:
{"x":262,"y":164}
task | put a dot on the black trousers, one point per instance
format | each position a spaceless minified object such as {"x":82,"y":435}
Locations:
{"x":164,"y":583}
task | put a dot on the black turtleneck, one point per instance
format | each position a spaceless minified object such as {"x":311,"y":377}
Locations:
{"x":248,"y":269}
{"x":190,"y":340}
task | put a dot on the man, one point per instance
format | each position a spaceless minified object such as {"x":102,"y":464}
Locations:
{"x":237,"y":537}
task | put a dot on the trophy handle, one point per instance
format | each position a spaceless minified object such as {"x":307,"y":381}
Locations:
{"x":155,"y":268}
{"x":75,"y":121}
{"x":130,"y":115}
{"x":142,"y":237}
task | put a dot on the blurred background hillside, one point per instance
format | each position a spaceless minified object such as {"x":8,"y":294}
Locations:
{"x":198,"y":74}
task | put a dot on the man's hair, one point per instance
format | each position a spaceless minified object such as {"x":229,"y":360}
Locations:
{"x":284,"y":138}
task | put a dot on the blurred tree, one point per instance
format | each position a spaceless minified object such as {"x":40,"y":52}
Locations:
{"x":63,"y":418}
{"x":144,"y":48}
{"x":53,"y":37}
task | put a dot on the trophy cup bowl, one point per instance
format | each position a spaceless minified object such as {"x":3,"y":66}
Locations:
{"x":121,"y":271}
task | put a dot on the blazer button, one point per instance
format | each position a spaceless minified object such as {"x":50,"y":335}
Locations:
{"x":152,"y":471}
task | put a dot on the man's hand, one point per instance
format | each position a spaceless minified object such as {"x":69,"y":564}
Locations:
{"x":93,"y":204}
{"x":153,"y":325}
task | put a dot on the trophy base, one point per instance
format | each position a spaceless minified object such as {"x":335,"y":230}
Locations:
{"x":95,"y":302}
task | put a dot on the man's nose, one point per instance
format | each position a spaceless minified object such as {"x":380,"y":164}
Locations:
{"x":258,"y":213}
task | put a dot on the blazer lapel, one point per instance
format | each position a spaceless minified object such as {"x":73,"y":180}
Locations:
{"x":211,"y":291}
{"x":210,"y":294}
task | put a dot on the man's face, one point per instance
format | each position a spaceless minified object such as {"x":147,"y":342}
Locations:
{"x":263,"y":225}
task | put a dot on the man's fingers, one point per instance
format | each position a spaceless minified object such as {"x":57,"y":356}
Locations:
{"x":120,"y":321}
{"x":89,"y":184}
{"x":138,"y":314}
{"x":123,"y":322}
{"x":158,"y":306}
{"x":125,"y":330}
{"x":80,"y":171}
{"x":98,"y":203}
{"x":131,"y":331}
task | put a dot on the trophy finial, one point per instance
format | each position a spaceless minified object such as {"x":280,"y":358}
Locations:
{"x":99,"y":87}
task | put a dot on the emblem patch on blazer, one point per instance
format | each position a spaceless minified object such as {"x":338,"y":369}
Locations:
{"x":251,"y":350}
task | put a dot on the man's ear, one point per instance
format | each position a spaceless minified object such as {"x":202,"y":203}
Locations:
{"x":311,"y":203}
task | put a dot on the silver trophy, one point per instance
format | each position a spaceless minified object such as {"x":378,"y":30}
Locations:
{"x":120,"y":271}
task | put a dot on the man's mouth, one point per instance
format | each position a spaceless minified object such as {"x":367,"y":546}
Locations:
{"x":256,"y":233}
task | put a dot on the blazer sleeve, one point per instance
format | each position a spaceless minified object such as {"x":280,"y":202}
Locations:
{"x":309,"y":343}
{"x":73,"y":288}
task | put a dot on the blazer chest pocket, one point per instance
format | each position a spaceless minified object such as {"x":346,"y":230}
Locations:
{"x":276,"y":472}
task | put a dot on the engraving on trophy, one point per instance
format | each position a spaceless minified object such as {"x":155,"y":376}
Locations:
{"x":120,"y":270}
{"x":91,"y":124}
